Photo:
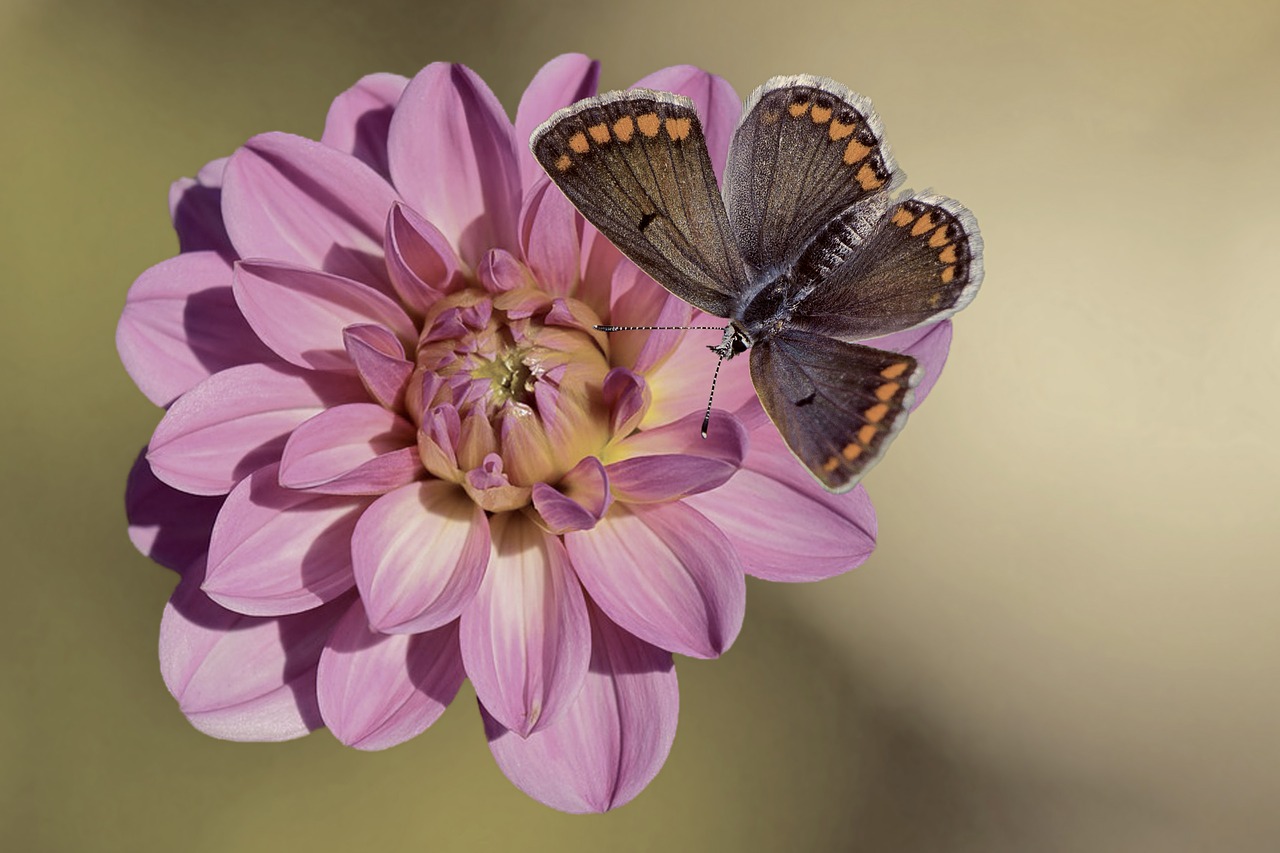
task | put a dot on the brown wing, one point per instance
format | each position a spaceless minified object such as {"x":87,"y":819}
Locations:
{"x":837,"y":405}
{"x":807,"y":149}
{"x":920,"y":263}
{"x":635,"y":164}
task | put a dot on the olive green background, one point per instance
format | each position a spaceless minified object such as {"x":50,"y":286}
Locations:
{"x":1067,"y":640}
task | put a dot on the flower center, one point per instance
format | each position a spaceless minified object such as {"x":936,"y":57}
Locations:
{"x":508,"y":390}
{"x":511,"y":377}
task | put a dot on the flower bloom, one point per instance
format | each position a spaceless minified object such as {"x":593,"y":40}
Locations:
{"x":395,"y":453}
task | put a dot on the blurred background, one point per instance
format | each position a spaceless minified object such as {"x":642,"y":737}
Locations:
{"x":1068,"y":638}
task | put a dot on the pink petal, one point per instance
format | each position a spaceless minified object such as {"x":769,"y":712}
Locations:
{"x":569,"y":313}
{"x":600,"y":260}
{"x":237,"y":421}
{"x":300,"y":313}
{"x":379,"y":360}
{"x":526,"y":448}
{"x":360,"y":118}
{"x":276,"y":551}
{"x":611,"y":741}
{"x":181,"y":325}
{"x":492,"y":490}
{"x":641,"y":301}
{"x":568,"y":78}
{"x":551,"y":237}
{"x":501,"y":272}
{"x":438,"y":441}
{"x":378,"y":690}
{"x":526,"y":640}
{"x":169,"y":526}
{"x":297,"y":201}
{"x":356,"y":449}
{"x":419,"y":554}
{"x":717,"y":103}
{"x":664,"y":573}
{"x":628,"y":398}
{"x":240,"y":677}
{"x":453,"y":158}
{"x":476,"y":439}
{"x":421,"y":261}
{"x":926,"y":344}
{"x":782,"y":523}
{"x":581,"y":498}
{"x":571,"y":418}
{"x":195,"y":205}
{"x":672,"y":461}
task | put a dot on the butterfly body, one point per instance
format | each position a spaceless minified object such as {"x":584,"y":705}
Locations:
{"x":804,"y":252}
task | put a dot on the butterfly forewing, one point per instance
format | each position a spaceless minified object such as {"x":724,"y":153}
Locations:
{"x":837,"y":404}
{"x":635,"y":164}
{"x":806,"y":149}
{"x":921,"y":262}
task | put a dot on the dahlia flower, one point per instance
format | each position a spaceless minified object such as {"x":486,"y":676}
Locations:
{"x":395,"y":453}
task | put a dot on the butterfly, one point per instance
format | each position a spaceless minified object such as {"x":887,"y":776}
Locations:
{"x":805,"y":250}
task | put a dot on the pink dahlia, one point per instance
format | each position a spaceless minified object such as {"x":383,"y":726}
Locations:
{"x":396,"y":454}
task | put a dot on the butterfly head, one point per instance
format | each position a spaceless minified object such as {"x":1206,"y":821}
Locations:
{"x":735,"y":341}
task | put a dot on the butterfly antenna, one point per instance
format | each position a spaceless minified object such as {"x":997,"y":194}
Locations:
{"x":656,"y":328}
{"x":706,"y":419}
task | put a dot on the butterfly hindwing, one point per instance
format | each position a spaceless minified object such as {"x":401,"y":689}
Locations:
{"x":920,"y":262}
{"x":635,"y":164}
{"x":806,"y":149}
{"x":837,"y":404}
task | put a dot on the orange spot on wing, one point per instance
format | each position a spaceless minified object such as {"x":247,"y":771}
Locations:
{"x":678,"y":128}
{"x":867,"y":178}
{"x":948,"y":255}
{"x":770,"y":117}
{"x":876,"y":413}
{"x":839,"y":131}
{"x":948,"y":274}
{"x":886,"y":391}
{"x":578,"y":142}
{"x":939,"y":237}
{"x":923,"y":224}
{"x":798,"y":110}
{"x":623,"y":128}
{"x":831,"y":465}
{"x":902,"y":217}
{"x":851,"y":451}
{"x":855,"y":151}
{"x":893,"y":371}
{"x":820,"y":115}
{"x":648,"y":124}
{"x":867,"y":433}
{"x":935,"y":300}
{"x":564,"y":163}
{"x":599,"y":132}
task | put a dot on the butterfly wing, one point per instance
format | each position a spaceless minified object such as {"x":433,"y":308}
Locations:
{"x":837,"y":404}
{"x":918,"y":263}
{"x":806,"y":149}
{"x":635,"y":164}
